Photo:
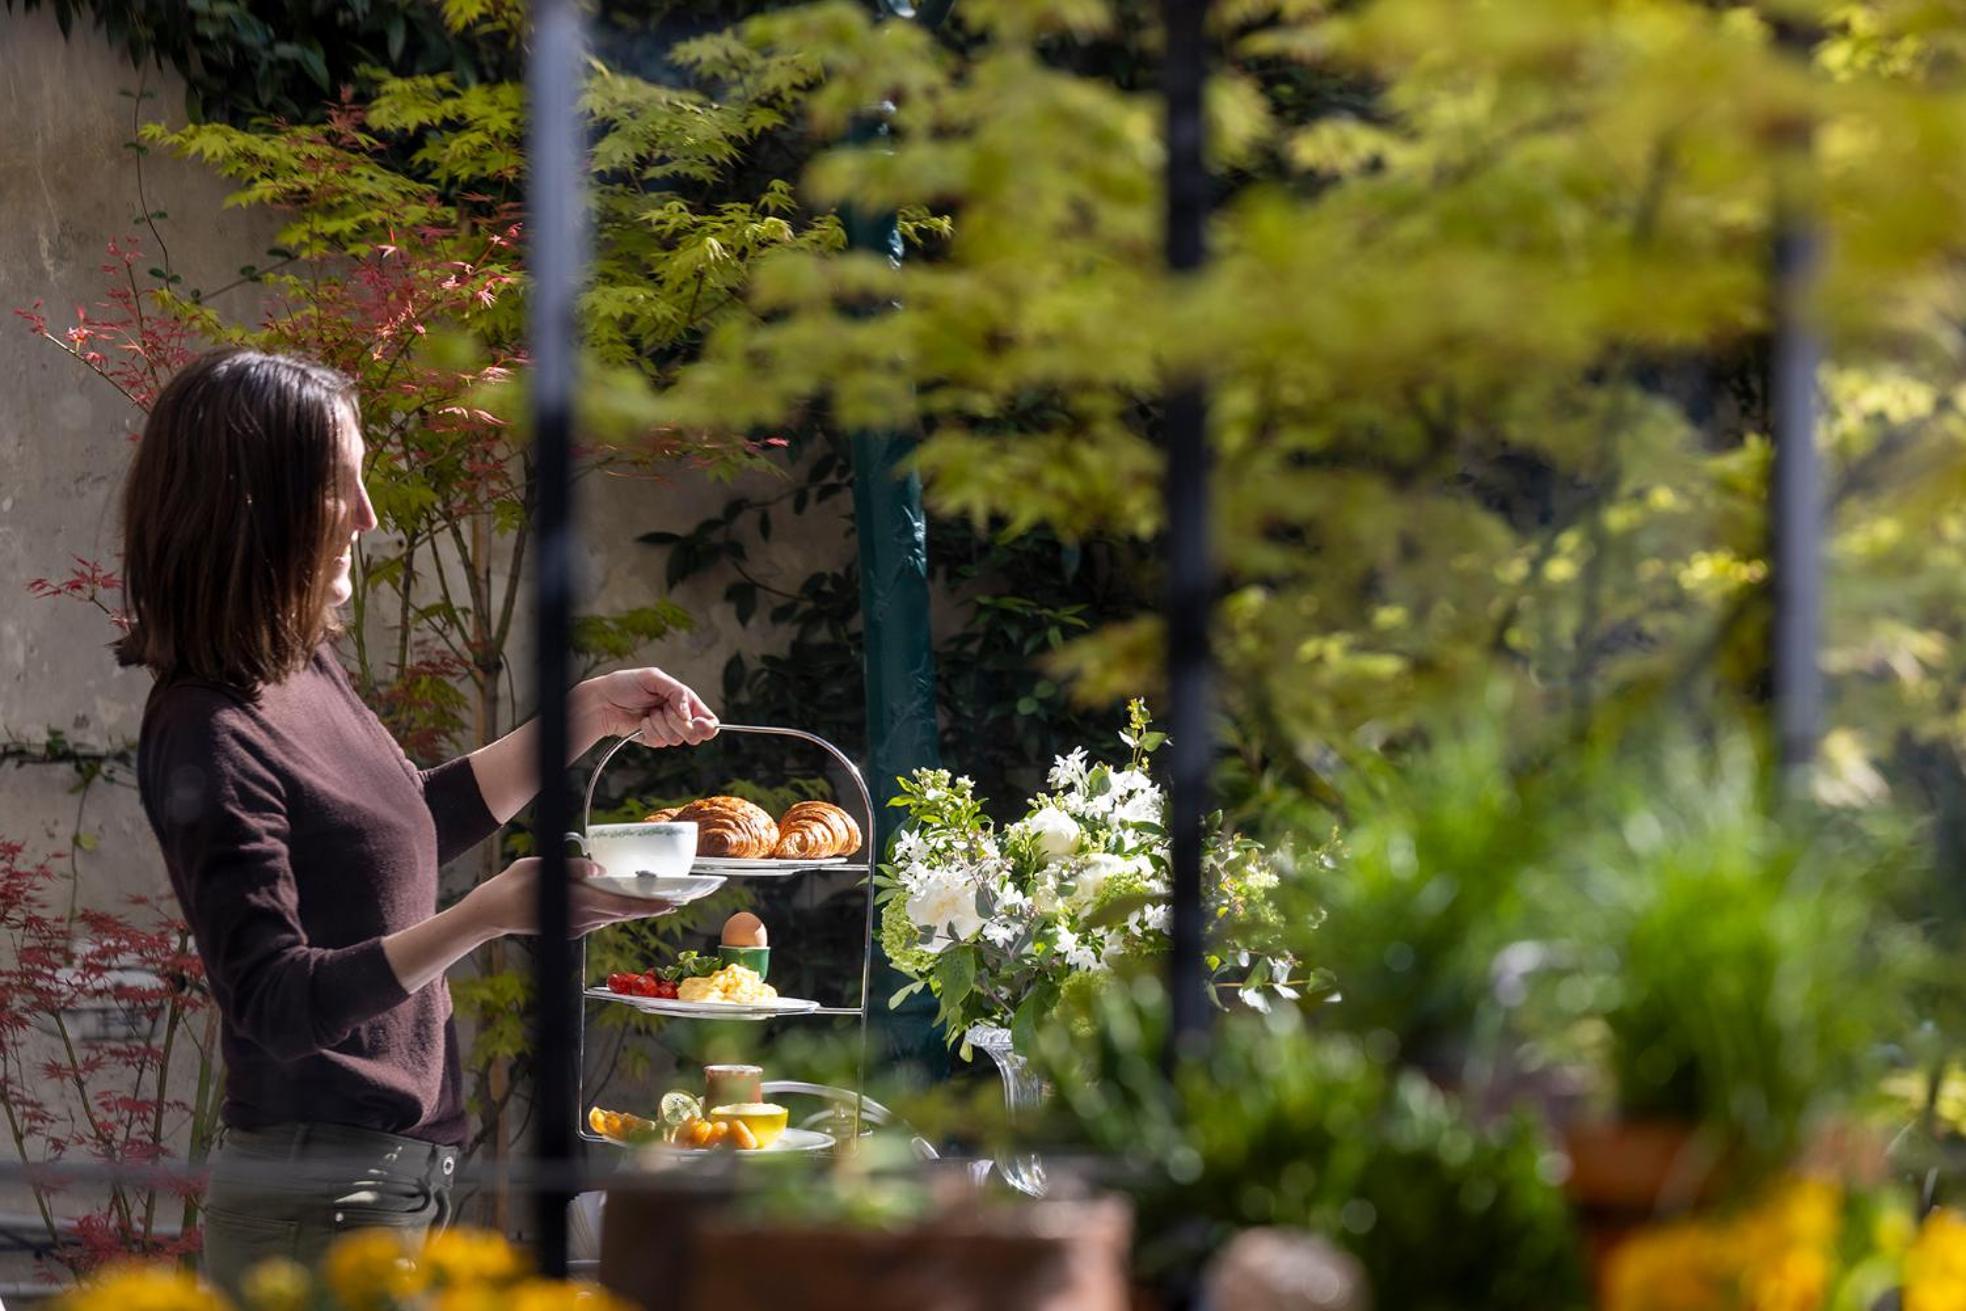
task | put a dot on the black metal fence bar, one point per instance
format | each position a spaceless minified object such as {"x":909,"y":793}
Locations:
{"x":1189,"y":576}
{"x":1796,"y":505}
{"x":554,"y":216}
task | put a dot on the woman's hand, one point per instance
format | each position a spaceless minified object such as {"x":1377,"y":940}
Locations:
{"x":645,"y":701}
{"x":664,"y":711}
{"x":508,"y":902}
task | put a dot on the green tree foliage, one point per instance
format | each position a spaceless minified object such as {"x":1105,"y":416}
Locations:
{"x":242,"y":60}
{"x":1482,"y":325}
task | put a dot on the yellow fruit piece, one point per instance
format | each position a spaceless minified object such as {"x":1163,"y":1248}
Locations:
{"x":762,"y":1120}
{"x":742,"y":1137}
{"x":597,"y":1120}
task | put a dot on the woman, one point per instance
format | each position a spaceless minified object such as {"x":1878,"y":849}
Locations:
{"x":303,"y":845}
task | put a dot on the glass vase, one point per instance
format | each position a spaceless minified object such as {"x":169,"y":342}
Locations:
{"x":1022,"y":1091}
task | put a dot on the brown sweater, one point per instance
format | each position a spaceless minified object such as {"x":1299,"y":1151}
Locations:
{"x":298,"y":835}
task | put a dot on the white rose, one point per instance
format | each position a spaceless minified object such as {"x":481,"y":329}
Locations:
{"x":945,"y":904}
{"x":1054,"y":834}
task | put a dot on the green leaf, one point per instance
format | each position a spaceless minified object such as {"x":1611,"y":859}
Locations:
{"x":1030,"y":1012}
{"x":955,"y":978}
{"x":1116,"y":911}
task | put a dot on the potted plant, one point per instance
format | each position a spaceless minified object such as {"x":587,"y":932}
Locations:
{"x":1734,"y":976}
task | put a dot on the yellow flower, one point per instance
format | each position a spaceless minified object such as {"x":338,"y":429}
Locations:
{"x":1893,"y":1231}
{"x":1935,"y":1267}
{"x":1676,"y":1267}
{"x":532,"y":1295}
{"x":1795,"y":1279}
{"x":142,"y":1288}
{"x":277,"y":1285}
{"x":550,"y":1295}
{"x":371,"y":1270}
{"x":1777,"y":1256}
{"x":457,"y":1257}
{"x":472,"y":1297}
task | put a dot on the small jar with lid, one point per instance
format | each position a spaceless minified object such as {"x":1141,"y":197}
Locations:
{"x":731,"y":1085}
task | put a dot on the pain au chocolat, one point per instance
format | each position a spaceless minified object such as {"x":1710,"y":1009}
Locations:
{"x":816,"y":830}
{"x":730,"y":826}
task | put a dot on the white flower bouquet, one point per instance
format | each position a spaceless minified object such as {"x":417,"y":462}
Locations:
{"x":1000,"y":926}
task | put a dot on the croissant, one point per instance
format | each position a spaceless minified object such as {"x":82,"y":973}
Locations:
{"x":816,"y":830}
{"x":730,"y":826}
{"x":662,"y":816}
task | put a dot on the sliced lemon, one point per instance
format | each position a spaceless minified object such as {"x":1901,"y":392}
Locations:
{"x":597,"y":1119}
{"x":679,"y":1107}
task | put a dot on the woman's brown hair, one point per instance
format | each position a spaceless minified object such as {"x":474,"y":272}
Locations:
{"x":226,"y":519}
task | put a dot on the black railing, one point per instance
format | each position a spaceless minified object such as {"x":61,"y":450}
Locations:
{"x":1190,"y":578}
{"x":555,"y":214}
{"x":1795,"y":506}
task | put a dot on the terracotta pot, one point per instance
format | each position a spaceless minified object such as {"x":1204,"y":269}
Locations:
{"x":693,"y":1252}
{"x":1626,"y":1174}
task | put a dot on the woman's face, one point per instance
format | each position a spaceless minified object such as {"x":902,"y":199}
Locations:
{"x":350,"y":513}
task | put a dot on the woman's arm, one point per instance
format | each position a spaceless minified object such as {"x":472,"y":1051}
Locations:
{"x":664,"y":711}
{"x":505,"y":903}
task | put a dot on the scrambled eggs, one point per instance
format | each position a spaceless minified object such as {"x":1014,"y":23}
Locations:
{"x":732,"y":983}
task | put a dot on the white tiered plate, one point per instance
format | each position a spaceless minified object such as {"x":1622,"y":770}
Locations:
{"x":710,"y":1010}
{"x":745,"y":867}
{"x":791,"y":1141}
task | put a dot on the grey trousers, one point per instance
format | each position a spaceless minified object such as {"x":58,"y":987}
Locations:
{"x":291,"y":1190}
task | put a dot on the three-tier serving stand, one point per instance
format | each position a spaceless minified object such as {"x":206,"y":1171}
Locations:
{"x":852,"y":1100}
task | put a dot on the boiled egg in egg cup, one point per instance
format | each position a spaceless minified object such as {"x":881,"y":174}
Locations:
{"x":745,"y":943}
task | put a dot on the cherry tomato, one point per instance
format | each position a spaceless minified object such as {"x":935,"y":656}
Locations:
{"x":648,"y":986}
{"x":665,"y":988}
{"x":622,"y":983}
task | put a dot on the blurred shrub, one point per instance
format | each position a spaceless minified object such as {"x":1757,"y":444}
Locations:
{"x":1279,"y":1124}
{"x":1727,"y":962}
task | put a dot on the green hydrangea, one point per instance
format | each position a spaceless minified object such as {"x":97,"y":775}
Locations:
{"x":1078,"y":998}
{"x":1130,"y":883}
{"x":901,"y":940}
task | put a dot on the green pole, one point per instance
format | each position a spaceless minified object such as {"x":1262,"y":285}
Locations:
{"x":894,"y":608}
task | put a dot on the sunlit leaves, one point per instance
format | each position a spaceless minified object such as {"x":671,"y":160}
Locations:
{"x":1434,"y":368}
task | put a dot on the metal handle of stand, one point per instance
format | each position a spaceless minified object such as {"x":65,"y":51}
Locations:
{"x":867,"y":934}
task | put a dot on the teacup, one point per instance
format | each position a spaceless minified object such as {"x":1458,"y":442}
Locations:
{"x":662,"y":850}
